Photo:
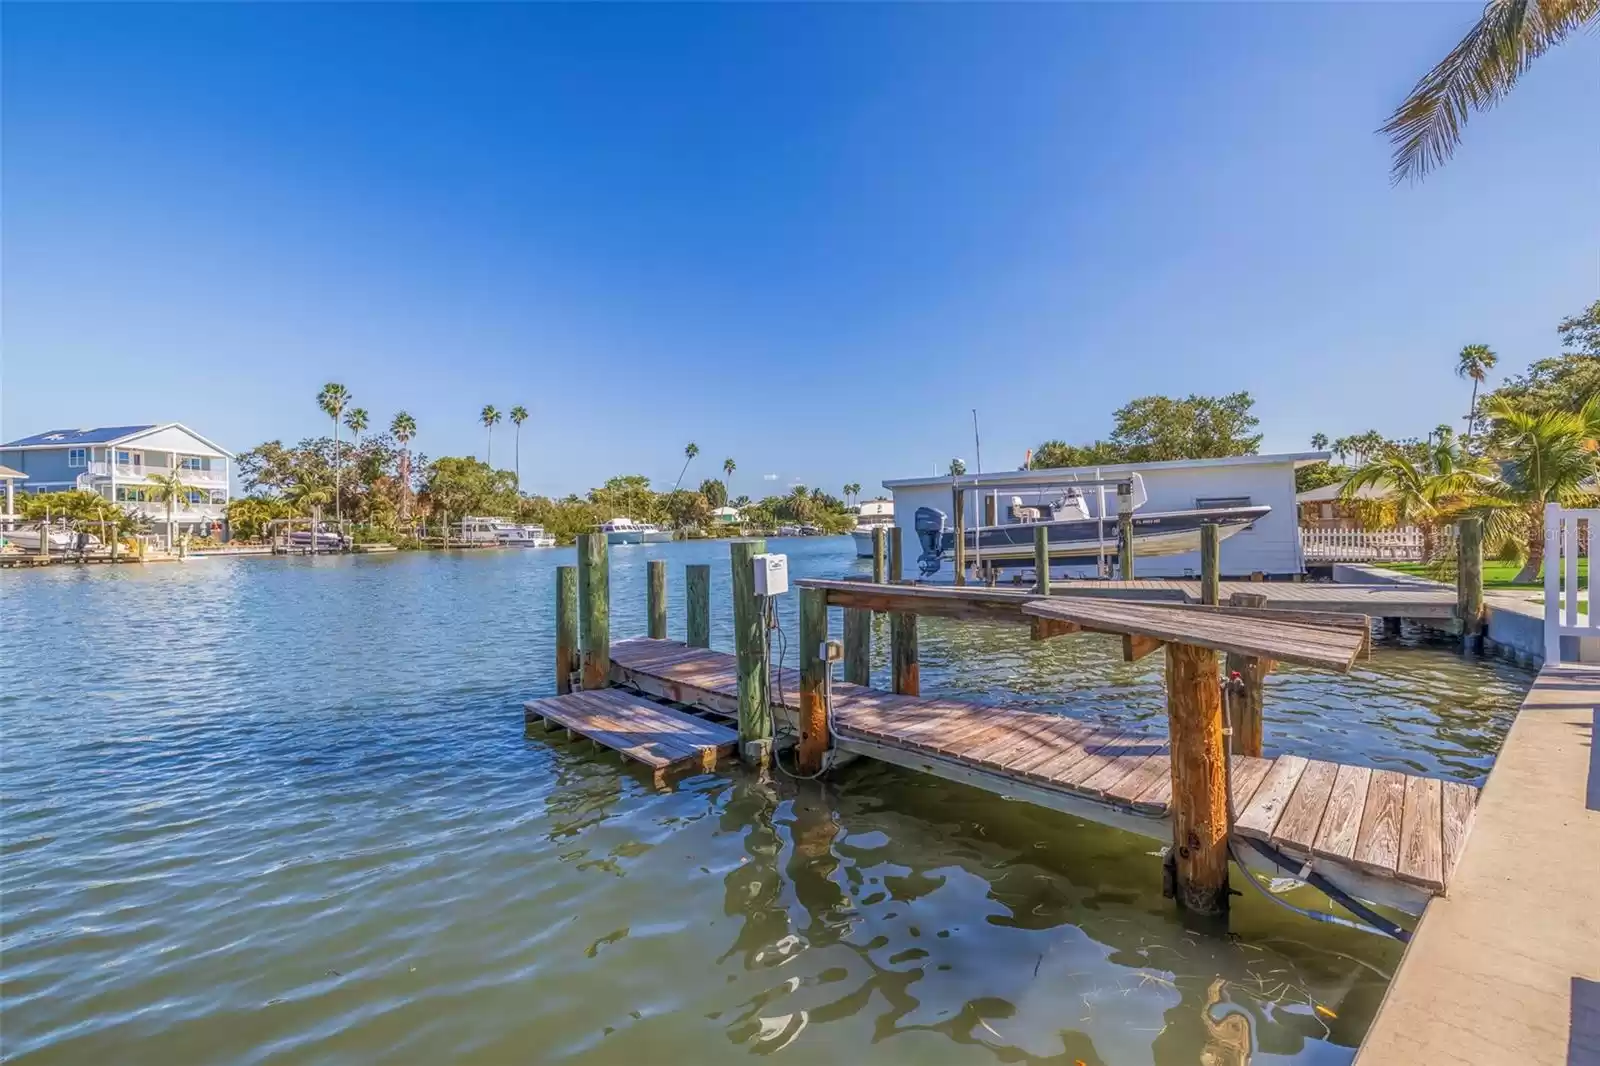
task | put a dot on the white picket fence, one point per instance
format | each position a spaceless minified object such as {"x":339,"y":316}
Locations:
{"x":1364,"y":545}
{"x":1564,"y":614}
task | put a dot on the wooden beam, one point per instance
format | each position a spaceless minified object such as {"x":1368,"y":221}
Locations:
{"x":566,"y":627}
{"x":1045,"y":628}
{"x":1136,"y":646}
{"x":749,"y":636}
{"x":905,"y":671}
{"x":594,"y":609}
{"x":656,"y":598}
{"x":857,"y":645}
{"x":813,"y":680}
{"x":1199,"y":784}
{"x":697,"y":603}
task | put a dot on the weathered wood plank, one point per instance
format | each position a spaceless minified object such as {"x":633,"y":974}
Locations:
{"x":1422,"y":834}
{"x":1127,"y":790}
{"x":1458,"y":803}
{"x":1378,"y":842}
{"x":1341,"y":822}
{"x":1260,"y":816}
{"x":1247,"y":772}
{"x":1302,"y":816}
{"x":1135,"y":646}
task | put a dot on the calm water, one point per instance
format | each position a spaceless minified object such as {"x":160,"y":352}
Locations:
{"x":284,"y":811}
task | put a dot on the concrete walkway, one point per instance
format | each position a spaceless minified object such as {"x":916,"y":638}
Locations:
{"x":1506,"y":969}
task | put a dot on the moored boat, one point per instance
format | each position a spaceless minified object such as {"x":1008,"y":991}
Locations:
{"x":622,"y":531}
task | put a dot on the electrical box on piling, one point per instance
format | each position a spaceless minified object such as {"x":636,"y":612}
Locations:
{"x":771,"y":573}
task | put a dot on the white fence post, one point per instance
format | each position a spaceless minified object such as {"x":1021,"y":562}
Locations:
{"x":1563,"y":548}
{"x":1552,"y":583}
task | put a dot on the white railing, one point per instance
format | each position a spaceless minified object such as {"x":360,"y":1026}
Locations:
{"x":129,"y":472}
{"x":1363,"y":545}
{"x":1565,"y":613}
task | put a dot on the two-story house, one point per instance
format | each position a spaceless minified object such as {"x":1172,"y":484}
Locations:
{"x":117,"y":461}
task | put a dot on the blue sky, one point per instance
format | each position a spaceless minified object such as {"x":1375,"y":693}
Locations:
{"x":807,"y":237}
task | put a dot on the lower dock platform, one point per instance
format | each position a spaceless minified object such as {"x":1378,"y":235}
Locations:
{"x":639,"y":729}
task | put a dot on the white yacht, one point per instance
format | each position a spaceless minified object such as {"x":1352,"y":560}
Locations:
{"x":654,"y":534}
{"x":61,"y":540}
{"x":622,"y":531}
{"x":869,"y":516}
{"x":536,"y":537}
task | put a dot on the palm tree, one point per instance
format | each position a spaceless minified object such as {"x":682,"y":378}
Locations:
{"x":404,"y":428}
{"x":958,"y":467}
{"x":356,"y":420}
{"x":1548,"y":456}
{"x":170,"y":489}
{"x":332,"y":399}
{"x":728,"y":467}
{"x":1475,"y":362}
{"x":799,"y":503}
{"x":689,"y":453}
{"x":519,"y":415}
{"x":1319,"y":442}
{"x":1477,"y":73}
{"x":489,"y":416}
{"x":1423,"y":493}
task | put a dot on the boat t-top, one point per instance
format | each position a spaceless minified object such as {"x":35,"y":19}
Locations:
{"x":1076,"y":536}
{"x":870,"y":515}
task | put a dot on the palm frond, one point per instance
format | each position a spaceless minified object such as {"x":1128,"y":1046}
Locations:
{"x":1478,"y":72}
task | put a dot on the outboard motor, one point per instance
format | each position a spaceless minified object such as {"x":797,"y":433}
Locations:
{"x":929,"y":524}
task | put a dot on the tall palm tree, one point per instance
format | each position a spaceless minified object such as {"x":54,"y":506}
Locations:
{"x":855,"y":492}
{"x":489,"y":416}
{"x":1319,"y":442}
{"x":169,"y":488}
{"x":333,"y":399}
{"x":958,"y":467}
{"x":1423,"y":493}
{"x":1548,"y":456}
{"x":356,"y":420}
{"x":1426,"y":129}
{"x":728,"y":467}
{"x":519,"y":415}
{"x":799,"y":503}
{"x":689,"y":453}
{"x":404,"y":428}
{"x":1475,"y":362}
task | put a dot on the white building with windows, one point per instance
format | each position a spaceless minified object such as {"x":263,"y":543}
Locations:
{"x":118,"y":463}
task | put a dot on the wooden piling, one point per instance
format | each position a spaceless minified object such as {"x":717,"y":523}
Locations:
{"x":958,"y":510}
{"x":858,"y":646}
{"x":1210,"y":564}
{"x":905,"y":674}
{"x":813,"y":680}
{"x":567,"y":662}
{"x":879,"y":550}
{"x":749,"y":636}
{"x":656,"y":598}
{"x":1125,"y":531}
{"x":1245,"y":707}
{"x":1199,"y":789}
{"x":1041,"y":560}
{"x":897,"y":567}
{"x":594,"y":610}
{"x":697,"y":603}
{"x":1469,"y":583}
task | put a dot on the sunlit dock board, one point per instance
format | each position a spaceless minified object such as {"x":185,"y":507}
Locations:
{"x":1386,"y":836}
{"x":639,"y":729}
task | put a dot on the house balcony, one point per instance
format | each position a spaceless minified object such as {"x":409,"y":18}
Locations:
{"x":130,"y":473}
{"x":183,"y":516}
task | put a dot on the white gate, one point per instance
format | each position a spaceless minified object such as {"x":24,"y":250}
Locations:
{"x":1564,"y":613}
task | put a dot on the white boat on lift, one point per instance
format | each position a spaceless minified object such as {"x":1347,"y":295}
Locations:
{"x":60,"y":539}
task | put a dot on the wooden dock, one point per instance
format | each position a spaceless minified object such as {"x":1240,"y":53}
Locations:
{"x":1387,"y":837}
{"x":640,"y":730}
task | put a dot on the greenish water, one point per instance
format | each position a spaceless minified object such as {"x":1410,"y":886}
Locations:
{"x":284,"y":811}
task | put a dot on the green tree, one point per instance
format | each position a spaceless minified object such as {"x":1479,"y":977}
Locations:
{"x":1423,"y":492}
{"x":1477,"y":73}
{"x":1157,"y":428}
{"x":519,"y":415}
{"x":1546,"y":457}
{"x":489,"y":416}
{"x":1567,"y":382}
{"x":404,"y":429}
{"x":715,"y":492}
{"x":1474,"y":362}
{"x":333,"y":399}
{"x":464,"y":486}
{"x":248,"y":515}
{"x":689,"y":452}
{"x":728,"y":467}
{"x":169,"y":488}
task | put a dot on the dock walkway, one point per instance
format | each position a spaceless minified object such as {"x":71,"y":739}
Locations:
{"x":638,"y":729}
{"x":1388,"y":837}
{"x":1419,"y":601}
{"x":1507,"y":968}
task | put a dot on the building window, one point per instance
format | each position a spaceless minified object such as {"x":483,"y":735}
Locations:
{"x":197,"y":497}
{"x":192,"y":462}
{"x":1327,"y":512}
{"x":217,"y":496}
{"x":77,"y":457}
{"x":129,"y":495}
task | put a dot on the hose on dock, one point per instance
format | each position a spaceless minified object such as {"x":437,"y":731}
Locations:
{"x":1371,"y":921}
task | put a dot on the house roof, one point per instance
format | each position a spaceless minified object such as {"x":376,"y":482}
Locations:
{"x":1329,"y":493}
{"x":72,"y":438}
{"x":66,"y":438}
{"x":8,"y":474}
{"x":725,"y":511}
{"x":1021,"y":478}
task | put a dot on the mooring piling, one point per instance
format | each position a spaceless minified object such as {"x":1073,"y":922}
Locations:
{"x":566,"y":627}
{"x":958,"y":509}
{"x":1210,"y":565}
{"x":1041,"y":560}
{"x":879,"y":551}
{"x":594,"y":610}
{"x":1245,"y":700}
{"x":896,"y":555}
{"x":750,"y":643}
{"x":1469,"y":583}
{"x":1199,"y":779}
{"x":857,"y":646}
{"x":813,"y":680}
{"x":697,"y":604}
{"x":905,"y":671}
{"x":656,"y":599}
{"x":1125,"y":530}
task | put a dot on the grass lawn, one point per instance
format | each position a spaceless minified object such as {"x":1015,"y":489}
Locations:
{"x":1496,"y":575}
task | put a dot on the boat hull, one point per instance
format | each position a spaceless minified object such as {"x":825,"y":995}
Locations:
{"x":659,"y":536}
{"x":863,"y":543}
{"x":1078,"y":542}
{"x":629,"y":536}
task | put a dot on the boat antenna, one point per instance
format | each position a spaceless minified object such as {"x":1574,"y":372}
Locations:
{"x":977,"y":442}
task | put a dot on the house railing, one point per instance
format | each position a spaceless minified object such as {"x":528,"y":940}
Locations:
{"x":101,"y":468}
{"x":1364,"y":545}
{"x":1569,"y":534}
